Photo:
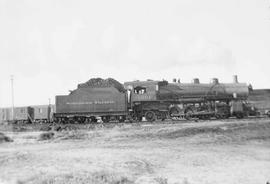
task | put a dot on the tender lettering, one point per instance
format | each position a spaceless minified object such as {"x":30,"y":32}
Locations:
{"x":91,"y":103}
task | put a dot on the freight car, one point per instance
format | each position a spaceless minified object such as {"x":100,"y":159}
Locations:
{"x":43,"y":113}
{"x":153,"y":100}
{"x":5,"y":115}
{"x":27,"y":114}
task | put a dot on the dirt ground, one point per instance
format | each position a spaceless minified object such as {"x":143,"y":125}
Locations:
{"x":209,"y":152}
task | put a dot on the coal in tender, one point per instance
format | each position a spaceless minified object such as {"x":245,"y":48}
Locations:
{"x":99,"y":82}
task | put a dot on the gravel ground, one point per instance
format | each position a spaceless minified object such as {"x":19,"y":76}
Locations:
{"x":210,"y":152}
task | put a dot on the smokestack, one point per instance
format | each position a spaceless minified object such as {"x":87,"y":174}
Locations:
{"x":235,"y":79}
{"x":196,"y":81}
{"x":174,"y":80}
{"x":214,"y":81}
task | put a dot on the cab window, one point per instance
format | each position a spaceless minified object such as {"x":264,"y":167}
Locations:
{"x":140,"y":90}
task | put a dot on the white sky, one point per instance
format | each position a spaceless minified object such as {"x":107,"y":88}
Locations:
{"x":50,"y":46}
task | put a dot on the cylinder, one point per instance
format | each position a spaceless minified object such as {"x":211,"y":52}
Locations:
{"x":196,"y":81}
{"x":214,"y":81}
{"x":174,"y":79}
{"x":179,"y":81}
{"x":235,"y":79}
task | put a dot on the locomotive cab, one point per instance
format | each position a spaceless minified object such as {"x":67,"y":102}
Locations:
{"x":143,"y":100}
{"x":142,"y":90}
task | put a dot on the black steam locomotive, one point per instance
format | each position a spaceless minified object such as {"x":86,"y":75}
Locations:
{"x":109,"y":100}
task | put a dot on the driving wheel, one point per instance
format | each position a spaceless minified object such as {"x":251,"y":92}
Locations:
{"x":150,"y":116}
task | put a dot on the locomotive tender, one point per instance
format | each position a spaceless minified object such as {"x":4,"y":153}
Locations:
{"x":153,"y":100}
{"x":87,"y":103}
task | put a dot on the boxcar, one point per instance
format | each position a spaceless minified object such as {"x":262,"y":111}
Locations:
{"x":43,"y":112}
{"x":5,"y":114}
{"x":20,"y":114}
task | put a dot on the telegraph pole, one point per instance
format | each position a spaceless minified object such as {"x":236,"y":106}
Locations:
{"x":49,"y":110}
{"x":12,"y":95}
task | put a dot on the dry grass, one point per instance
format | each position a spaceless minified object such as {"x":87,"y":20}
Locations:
{"x":101,"y":177}
{"x":231,"y":131}
{"x":46,"y":136}
{"x":4,"y":138}
{"x":142,"y":153}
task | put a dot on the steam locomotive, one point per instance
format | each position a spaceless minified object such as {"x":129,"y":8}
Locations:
{"x":153,"y":100}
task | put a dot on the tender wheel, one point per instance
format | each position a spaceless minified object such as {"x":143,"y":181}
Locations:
{"x":105,"y":119}
{"x":122,"y":119}
{"x":93,"y":119}
{"x":150,"y":116}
